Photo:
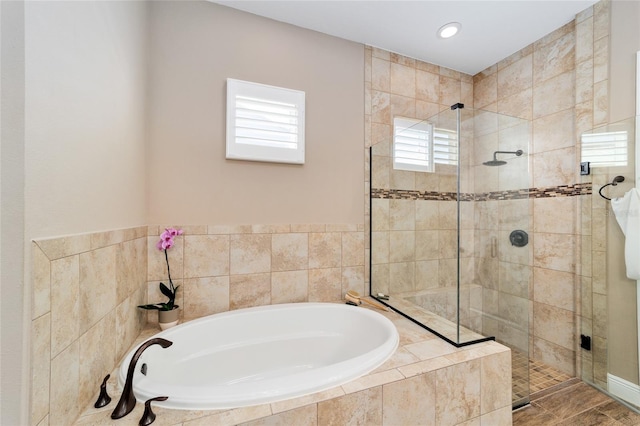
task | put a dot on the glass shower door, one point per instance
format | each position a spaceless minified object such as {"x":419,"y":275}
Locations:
{"x":503,"y":227}
{"x":449,"y":232}
{"x":608,"y":354}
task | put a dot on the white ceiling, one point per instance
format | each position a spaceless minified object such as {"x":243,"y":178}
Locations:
{"x":491,"y":30}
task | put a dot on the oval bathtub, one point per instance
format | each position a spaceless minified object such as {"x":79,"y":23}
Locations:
{"x":261,"y":355}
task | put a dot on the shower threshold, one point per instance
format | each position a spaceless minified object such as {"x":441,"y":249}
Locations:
{"x":444,"y":328}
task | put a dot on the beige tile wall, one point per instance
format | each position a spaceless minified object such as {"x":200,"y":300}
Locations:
{"x":87,"y":287}
{"x":536,"y":84}
{"x":415,"y":241}
{"x":592,"y":100}
{"x":221,"y":268}
{"x":84,"y":316}
{"x":501,"y":269}
{"x":560,"y":84}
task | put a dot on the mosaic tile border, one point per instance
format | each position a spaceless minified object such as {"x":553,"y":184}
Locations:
{"x":516,"y":194}
{"x":406,"y":194}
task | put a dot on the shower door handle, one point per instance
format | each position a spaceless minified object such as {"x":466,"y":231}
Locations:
{"x":494,"y":247}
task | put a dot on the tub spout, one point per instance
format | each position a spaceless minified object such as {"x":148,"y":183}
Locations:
{"x":128,"y":399}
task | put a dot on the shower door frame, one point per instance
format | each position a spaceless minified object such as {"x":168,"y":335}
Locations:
{"x":456,"y":107}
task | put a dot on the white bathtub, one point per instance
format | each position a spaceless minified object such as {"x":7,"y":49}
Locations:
{"x":262,"y":355}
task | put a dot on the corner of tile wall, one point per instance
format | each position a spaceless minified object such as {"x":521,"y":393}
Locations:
{"x":84,"y":317}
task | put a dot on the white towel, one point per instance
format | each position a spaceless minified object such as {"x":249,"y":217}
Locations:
{"x":627,"y":211}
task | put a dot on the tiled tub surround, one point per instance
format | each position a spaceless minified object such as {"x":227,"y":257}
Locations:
{"x":426,"y":382}
{"x":86,"y":289}
{"x":84,"y":316}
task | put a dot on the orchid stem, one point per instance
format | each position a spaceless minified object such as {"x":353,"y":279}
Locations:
{"x":166,"y":256}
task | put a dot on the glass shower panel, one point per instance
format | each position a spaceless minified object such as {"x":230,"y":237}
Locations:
{"x":449,"y":242}
{"x":503,"y":224}
{"x":608,"y":298}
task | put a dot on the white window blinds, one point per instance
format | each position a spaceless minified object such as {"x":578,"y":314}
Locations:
{"x":605,"y":149}
{"x":264,"y":123}
{"x":417,"y":145}
{"x":412,"y":145}
{"x":445,"y":146}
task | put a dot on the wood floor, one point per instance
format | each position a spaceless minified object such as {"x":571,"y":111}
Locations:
{"x":574,"y":403}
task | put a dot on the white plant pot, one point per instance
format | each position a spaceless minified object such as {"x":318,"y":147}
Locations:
{"x":168,"y":319}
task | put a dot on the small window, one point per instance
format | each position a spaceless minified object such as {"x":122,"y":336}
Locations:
{"x":417,"y":145}
{"x":445,"y":146}
{"x":605,"y":149}
{"x":412,"y":145}
{"x":264,"y":123}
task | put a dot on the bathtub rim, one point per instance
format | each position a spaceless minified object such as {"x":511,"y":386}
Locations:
{"x":354,"y":364}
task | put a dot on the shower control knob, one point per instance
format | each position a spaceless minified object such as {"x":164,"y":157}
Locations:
{"x":519,"y":238}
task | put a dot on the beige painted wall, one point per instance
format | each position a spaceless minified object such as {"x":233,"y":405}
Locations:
{"x":196,"y":47}
{"x":12,"y":385}
{"x":625,"y":42}
{"x":622,"y":325}
{"x":622,"y":306}
{"x":85,"y":104}
{"x":83,"y":163}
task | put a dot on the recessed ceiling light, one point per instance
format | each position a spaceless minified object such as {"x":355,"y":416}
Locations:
{"x":449,"y":30}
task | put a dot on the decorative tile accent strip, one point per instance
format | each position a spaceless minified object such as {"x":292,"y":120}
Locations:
{"x":404,"y":194}
{"x":515,"y":194}
{"x":562,"y":191}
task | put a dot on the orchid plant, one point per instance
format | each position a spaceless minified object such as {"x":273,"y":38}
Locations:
{"x":165,"y":243}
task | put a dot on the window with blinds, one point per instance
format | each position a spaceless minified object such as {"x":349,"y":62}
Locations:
{"x":418,"y":146}
{"x":445,"y":146}
{"x":264,"y":123}
{"x":605,"y":149}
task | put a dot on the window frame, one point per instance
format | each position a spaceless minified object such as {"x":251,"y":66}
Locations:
{"x":236,"y":150}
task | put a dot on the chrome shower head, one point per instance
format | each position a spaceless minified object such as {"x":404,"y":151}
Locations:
{"x":496,"y":162}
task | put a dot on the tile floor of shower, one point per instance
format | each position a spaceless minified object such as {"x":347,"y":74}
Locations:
{"x":540,"y":376}
{"x":559,"y":399}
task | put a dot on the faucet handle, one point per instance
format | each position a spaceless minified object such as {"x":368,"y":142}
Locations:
{"x":103,"y":398}
{"x":149,"y":416}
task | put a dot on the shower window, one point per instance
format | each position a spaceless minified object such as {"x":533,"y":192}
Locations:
{"x":412,"y":145}
{"x":605,"y":149}
{"x":418,"y":145}
{"x":445,"y":147}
